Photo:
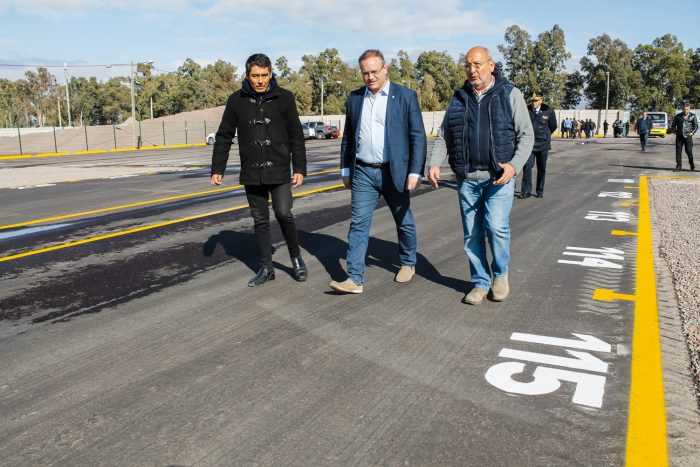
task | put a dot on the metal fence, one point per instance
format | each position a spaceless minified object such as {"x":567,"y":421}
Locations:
{"x":104,"y":137}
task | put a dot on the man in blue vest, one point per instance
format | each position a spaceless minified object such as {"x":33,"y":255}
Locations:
{"x":382,"y":154}
{"x":488,"y":137}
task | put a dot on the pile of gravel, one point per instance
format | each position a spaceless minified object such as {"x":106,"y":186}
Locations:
{"x":676,"y":204}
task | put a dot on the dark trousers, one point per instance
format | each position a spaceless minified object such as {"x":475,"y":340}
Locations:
{"x":282,"y":206}
{"x":643,"y":138}
{"x":688,"y":144}
{"x":540,"y":158}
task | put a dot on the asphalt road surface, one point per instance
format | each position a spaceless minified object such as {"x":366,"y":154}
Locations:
{"x":129,"y":336}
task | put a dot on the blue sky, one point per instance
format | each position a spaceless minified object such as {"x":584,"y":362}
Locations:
{"x":93,"y":32}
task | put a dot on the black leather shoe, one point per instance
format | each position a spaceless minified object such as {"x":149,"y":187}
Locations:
{"x":525,"y":195}
{"x":677,"y":169}
{"x":299,"y":269}
{"x":692,"y":168}
{"x":539,"y":195}
{"x":262,"y":276}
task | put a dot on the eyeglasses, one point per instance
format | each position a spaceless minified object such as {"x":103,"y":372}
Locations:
{"x":368,"y":73}
{"x":475,"y":65}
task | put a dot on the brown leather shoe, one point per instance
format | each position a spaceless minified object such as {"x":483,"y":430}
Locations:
{"x":500,"y":288}
{"x":475,"y":297}
{"x":347,"y":286}
{"x":405,"y":274}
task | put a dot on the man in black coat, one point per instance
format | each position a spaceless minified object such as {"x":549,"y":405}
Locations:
{"x":684,"y":125}
{"x":269,"y":138}
{"x":544,"y":123}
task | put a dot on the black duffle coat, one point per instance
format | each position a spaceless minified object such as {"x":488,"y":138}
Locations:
{"x":270,"y":136}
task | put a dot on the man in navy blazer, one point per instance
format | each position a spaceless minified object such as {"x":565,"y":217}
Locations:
{"x":382,"y":154}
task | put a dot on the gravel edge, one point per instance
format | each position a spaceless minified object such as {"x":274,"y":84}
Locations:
{"x":677,"y":267}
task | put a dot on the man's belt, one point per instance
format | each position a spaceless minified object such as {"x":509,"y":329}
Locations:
{"x":260,"y":165}
{"x":362,"y":163}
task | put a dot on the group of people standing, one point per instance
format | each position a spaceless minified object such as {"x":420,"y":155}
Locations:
{"x":487,"y":136}
{"x":572,"y":128}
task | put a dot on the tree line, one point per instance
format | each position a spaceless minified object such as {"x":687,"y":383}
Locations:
{"x":656,"y":76}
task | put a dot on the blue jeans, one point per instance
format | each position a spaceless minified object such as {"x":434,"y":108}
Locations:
{"x":367,"y":185}
{"x":485,"y":210}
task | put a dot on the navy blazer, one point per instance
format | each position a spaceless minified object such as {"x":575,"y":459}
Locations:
{"x":405,"y":144}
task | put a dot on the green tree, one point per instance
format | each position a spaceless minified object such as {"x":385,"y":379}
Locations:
{"x":444,"y":75}
{"x":613,"y":56}
{"x":338,"y":80}
{"x":549,"y":62}
{"x":518,"y":55}
{"x":537,"y":65}
{"x":282,"y":66}
{"x":403,"y":71}
{"x":40,"y":89}
{"x":218,"y":81}
{"x":665,"y":69}
{"x":694,"y":83}
{"x":573,"y":88}
{"x":14,"y":108}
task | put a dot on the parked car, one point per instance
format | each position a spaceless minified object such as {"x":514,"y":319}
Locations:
{"x":335,"y":132}
{"x":211,"y":137}
{"x":322,"y":130}
{"x":308,"y":131}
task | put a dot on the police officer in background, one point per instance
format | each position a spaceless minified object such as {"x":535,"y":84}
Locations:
{"x":544,"y":123}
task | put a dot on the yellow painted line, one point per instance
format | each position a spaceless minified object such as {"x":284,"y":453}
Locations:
{"x":646,"y":429}
{"x":607,"y":295}
{"x":132,"y":205}
{"x":628,"y":186}
{"x":53,"y":154}
{"x":21,"y":156}
{"x":92,"y":151}
{"x":627,"y":204}
{"x":116,"y":208}
{"x":123,"y":149}
{"x":180,"y":146}
{"x":148,"y":148}
{"x":622,"y":233}
{"x":199,"y":144}
{"x":148,"y":227}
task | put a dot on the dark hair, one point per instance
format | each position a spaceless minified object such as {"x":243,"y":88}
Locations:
{"x":369,"y":53}
{"x":259,"y":60}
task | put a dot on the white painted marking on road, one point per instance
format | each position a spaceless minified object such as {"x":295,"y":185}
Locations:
{"x":608,"y":216}
{"x":595,"y":257}
{"x":26,"y":187}
{"x":621,"y":180}
{"x":31,"y":230}
{"x":589,"y":388}
{"x":615,"y":194}
{"x":584,"y":341}
{"x":581,"y":360}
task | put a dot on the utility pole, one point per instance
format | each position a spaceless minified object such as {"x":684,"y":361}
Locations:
{"x":60,"y":119}
{"x":321,"y":97}
{"x":607,"y":93}
{"x":151,"y":107}
{"x":65,"y":70}
{"x":133,"y":106}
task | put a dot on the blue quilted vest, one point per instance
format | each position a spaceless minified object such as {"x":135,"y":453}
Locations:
{"x":500,"y":139}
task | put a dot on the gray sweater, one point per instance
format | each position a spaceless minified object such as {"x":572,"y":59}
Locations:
{"x":523,"y":130}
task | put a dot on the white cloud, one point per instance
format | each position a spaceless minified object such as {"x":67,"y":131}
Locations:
{"x":400,"y":19}
{"x":70,"y":8}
